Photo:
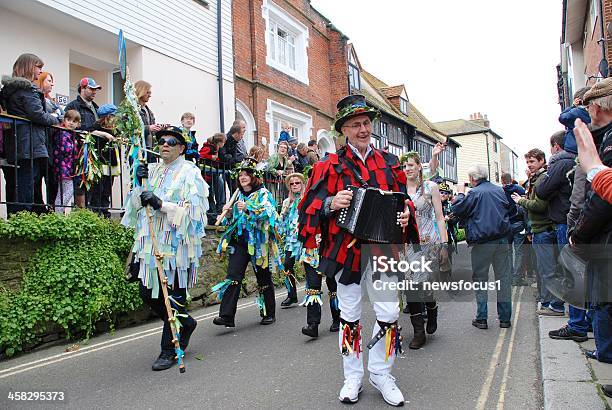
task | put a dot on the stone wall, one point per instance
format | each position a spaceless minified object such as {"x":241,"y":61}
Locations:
{"x":14,"y":257}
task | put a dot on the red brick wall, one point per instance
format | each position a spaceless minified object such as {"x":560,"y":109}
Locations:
{"x":592,"y":54}
{"x":327,"y":65}
{"x":607,"y":12}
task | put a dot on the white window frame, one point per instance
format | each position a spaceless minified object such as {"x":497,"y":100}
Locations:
{"x":354,"y":72}
{"x":396,"y":149}
{"x":275,"y":18}
{"x":384,"y":129}
{"x":404,"y":105}
{"x":593,"y":14}
{"x":300,"y":121}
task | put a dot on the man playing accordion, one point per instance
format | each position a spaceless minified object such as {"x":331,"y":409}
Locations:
{"x":358,"y":163}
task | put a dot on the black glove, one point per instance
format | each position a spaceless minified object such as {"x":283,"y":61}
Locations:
{"x":142,"y":172}
{"x":149,"y":198}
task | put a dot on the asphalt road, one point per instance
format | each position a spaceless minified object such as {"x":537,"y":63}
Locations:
{"x":275,"y":366}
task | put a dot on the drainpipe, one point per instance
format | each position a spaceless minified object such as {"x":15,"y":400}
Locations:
{"x":254,"y":61}
{"x":220,"y":68}
{"x":604,"y":35}
{"x":488,"y":158}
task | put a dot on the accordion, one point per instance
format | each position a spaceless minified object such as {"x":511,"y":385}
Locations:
{"x":373,"y":215}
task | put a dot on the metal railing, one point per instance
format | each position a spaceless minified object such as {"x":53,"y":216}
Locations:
{"x":34,"y":184}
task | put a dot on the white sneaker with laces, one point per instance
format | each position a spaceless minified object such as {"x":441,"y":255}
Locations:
{"x":349,"y":393}
{"x":385,"y":383}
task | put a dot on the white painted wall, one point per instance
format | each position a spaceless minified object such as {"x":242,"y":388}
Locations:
{"x":177,"y":87}
{"x":182,"y":29}
{"x":52,"y":45}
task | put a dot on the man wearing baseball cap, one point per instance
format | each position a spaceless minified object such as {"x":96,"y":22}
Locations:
{"x":84,"y":103}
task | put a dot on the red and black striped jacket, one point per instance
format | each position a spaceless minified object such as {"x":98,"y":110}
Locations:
{"x":329,"y":176}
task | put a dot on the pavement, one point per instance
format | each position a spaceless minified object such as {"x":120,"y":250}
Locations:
{"x":570,"y":379}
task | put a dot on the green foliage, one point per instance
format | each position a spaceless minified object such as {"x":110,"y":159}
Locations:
{"x":460,"y":234}
{"x":74,"y":280}
{"x":127,"y":122}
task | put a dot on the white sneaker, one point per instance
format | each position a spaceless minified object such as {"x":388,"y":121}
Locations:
{"x":349,"y":393}
{"x":385,"y":383}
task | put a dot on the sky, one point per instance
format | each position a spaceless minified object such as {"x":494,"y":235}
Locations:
{"x":458,"y":57}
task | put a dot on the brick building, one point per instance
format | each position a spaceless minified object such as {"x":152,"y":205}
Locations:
{"x":585,"y":46}
{"x":291,"y":67}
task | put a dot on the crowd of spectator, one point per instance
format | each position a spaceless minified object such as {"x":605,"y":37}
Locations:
{"x":46,"y":150}
{"x":563,"y":208}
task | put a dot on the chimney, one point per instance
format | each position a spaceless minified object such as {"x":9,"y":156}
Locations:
{"x":486,"y":121}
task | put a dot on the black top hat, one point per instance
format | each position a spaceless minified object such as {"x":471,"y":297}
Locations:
{"x":352,"y":106}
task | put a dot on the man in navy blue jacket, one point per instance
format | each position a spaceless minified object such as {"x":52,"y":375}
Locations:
{"x":517,"y":228}
{"x":485,"y":212}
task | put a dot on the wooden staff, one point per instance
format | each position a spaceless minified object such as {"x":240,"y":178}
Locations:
{"x":230,"y":204}
{"x":159,"y":257}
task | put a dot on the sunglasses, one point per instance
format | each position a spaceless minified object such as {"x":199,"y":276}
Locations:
{"x":172,"y":142}
{"x":295,"y":183}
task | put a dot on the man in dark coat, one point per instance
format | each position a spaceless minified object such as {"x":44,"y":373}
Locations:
{"x":556,"y":189}
{"x":233,"y":152}
{"x":85,"y":104}
{"x":555,"y":186}
{"x":485,"y":211}
{"x":517,"y":228}
{"x":326,"y":194}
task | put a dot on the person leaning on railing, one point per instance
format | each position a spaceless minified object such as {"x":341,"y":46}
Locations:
{"x":212,"y":164}
{"x":25,"y":148}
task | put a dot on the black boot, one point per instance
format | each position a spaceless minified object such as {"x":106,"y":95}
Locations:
{"x":224,"y":321}
{"x":312,"y":330}
{"x":432,"y":320}
{"x":289,"y":301}
{"x":335,"y":312}
{"x":419,"y":338}
{"x":291,"y":293}
{"x":163,"y":362}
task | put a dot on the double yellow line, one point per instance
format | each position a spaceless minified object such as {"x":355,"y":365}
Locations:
{"x":486,"y":387}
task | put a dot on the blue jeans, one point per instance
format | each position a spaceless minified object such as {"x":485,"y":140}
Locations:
{"x":561,"y":235}
{"x":602,"y":329}
{"x":496,"y":253}
{"x":517,"y":241}
{"x":544,"y":248}
{"x":579,"y":319}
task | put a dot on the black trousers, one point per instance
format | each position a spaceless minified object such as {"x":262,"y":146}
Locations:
{"x":100,"y":196}
{"x":159,"y":307}
{"x":290,"y":268}
{"x":23,"y":184}
{"x":314,"y":282}
{"x":236,"y":269}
